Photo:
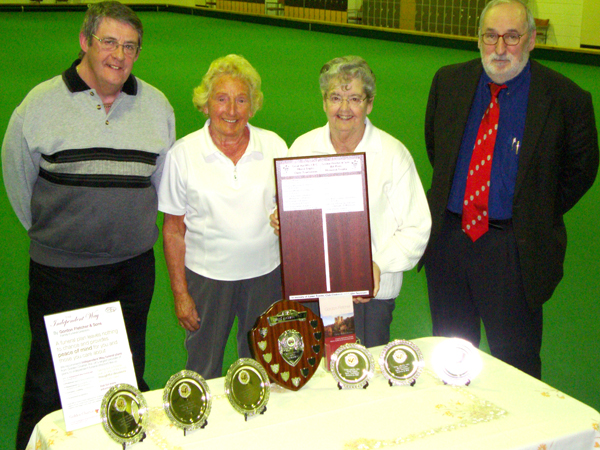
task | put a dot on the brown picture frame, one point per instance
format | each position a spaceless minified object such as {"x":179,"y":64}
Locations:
{"x":324,"y":250}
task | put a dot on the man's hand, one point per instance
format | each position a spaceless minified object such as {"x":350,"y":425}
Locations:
{"x":185,"y":310}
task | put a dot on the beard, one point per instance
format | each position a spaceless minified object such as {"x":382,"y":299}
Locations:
{"x":500,"y":75}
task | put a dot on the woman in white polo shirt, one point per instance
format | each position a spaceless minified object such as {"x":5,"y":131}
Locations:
{"x":217,"y":192}
{"x":398,"y":211}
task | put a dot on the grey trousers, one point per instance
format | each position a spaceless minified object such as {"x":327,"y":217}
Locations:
{"x":218,"y":303}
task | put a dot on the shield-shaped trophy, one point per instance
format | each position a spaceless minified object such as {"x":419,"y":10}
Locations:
{"x":288,"y":341}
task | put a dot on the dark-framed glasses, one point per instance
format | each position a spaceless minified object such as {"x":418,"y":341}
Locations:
{"x":509,"y":39}
{"x":110,"y":45}
{"x":353,"y":100}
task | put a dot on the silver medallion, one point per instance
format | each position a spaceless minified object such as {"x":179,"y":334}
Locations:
{"x":291,"y":346}
{"x":456,"y":361}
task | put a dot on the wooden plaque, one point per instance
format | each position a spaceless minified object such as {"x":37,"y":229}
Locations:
{"x":325,"y":236}
{"x":288,"y":341}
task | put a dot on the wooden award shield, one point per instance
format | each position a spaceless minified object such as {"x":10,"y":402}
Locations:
{"x":288,"y":341}
{"x":324,"y":227}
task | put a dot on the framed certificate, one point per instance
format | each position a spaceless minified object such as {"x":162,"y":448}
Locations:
{"x":325,"y":236}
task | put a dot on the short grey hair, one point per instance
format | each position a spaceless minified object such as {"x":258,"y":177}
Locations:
{"x":97,"y":12}
{"x":235,"y":66}
{"x":529,"y":15}
{"x":348,"y":68}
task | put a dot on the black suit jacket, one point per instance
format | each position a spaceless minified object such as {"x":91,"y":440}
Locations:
{"x":558,"y":163}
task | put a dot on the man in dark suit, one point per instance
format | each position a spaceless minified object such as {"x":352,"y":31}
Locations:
{"x":499,"y":258}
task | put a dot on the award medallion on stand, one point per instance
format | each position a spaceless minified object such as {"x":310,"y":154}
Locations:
{"x":288,"y":341}
{"x":456,"y":361}
{"x":247,"y":387}
{"x":401,"y":362}
{"x":124,"y":413}
{"x":352,"y":366}
{"x":187,"y":400}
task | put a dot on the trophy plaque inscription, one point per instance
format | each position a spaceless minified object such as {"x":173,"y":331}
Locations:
{"x":288,"y":341}
{"x":401,"y":362}
{"x":124,"y":413}
{"x":187,"y":400}
{"x":247,"y":387}
{"x":352,"y":366}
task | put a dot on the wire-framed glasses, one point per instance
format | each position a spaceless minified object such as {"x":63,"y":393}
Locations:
{"x":509,"y":39}
{"x":353,"y":100}
{"x":110,"y":45}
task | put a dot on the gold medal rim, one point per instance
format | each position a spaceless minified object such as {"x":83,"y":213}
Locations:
{"x":256,"y":367}
{"x":198,"y":381}
{"x":417,"y":367}
{"x":367,"y":357}
{"x":136,"y":395}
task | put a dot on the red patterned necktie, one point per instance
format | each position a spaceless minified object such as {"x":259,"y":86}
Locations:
{"x":475,"y":205}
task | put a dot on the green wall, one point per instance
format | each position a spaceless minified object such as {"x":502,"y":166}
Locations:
{"x":177,"y":51}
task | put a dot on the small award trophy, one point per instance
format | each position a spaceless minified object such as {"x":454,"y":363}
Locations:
{"x":352,"y":366}
{"x":247,"y":387}
{"x":456,"y":361}
{"x":124,"y":413}
{"x":187,"y":400}
{"x":288,"y":341}
{"x":401,"y":362}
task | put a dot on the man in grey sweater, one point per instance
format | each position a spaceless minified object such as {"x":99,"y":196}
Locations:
{"x":82,"y":159}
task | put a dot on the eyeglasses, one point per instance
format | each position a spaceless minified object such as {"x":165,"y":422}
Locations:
{"x":110,"y":45}
{"x":355,"y":100}
{"x":509,"y":39}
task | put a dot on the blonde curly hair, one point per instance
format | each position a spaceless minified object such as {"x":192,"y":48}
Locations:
{"x":233,"y":65}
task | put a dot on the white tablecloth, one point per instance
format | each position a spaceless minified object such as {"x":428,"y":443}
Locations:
{"x":502,"y":408}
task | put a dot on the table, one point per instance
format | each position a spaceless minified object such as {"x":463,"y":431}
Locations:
{"x":502,"y":408}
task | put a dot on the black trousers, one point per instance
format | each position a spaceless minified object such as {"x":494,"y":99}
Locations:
{"x":372,"y":321}
{"x":55,"y":289}
{"x":470,"y":282}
